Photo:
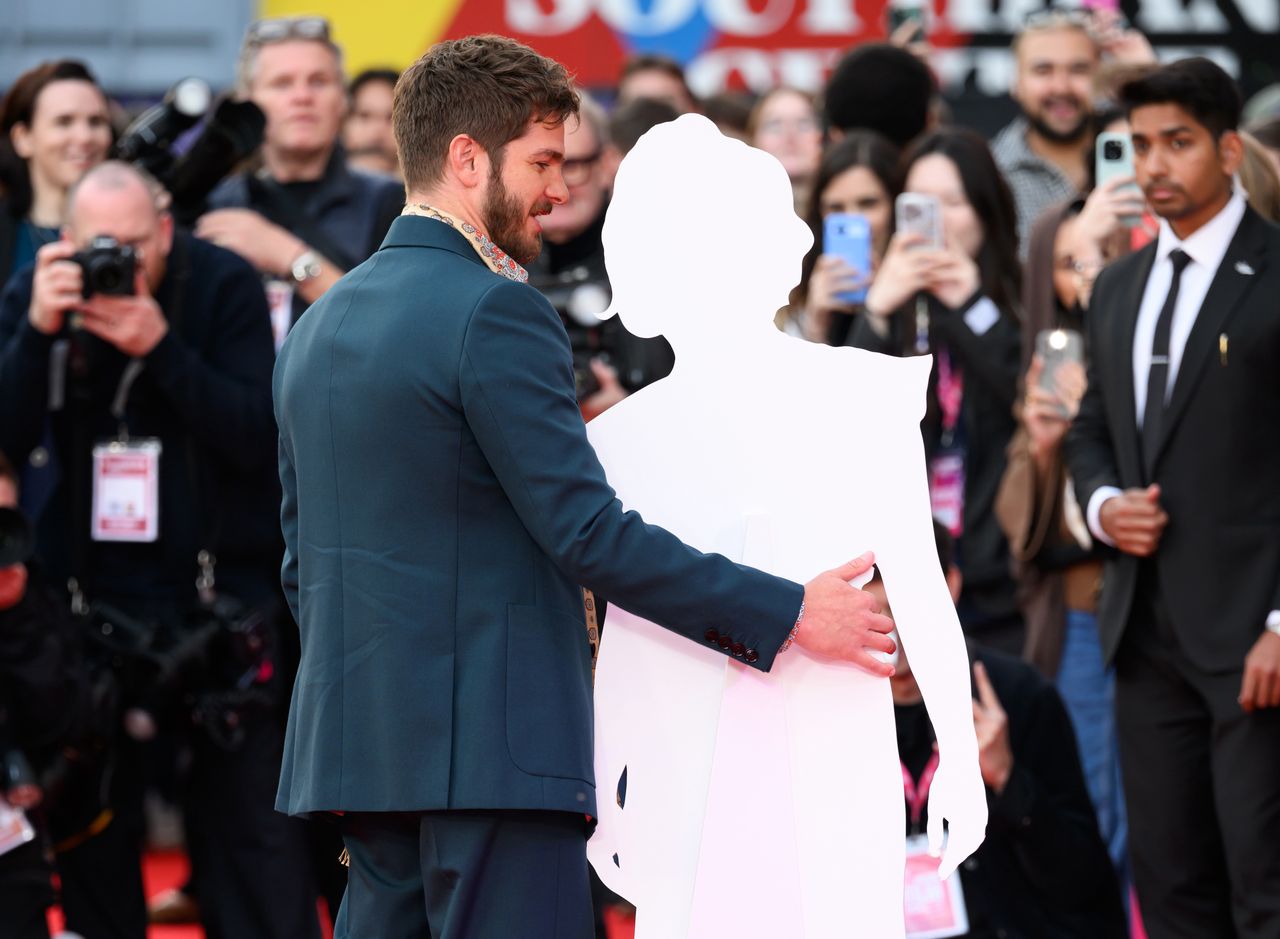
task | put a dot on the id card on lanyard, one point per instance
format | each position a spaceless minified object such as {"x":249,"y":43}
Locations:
{"x":932,"y":908}
{"x":126,"y":478}
{"x":946,"y":467}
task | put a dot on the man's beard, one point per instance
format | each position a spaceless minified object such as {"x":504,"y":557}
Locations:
{"x":505,"y":220}
{"x":1050,"y":133}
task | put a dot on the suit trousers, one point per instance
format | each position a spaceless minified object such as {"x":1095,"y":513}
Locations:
{"x":1202,"y":786}
{"x":465,"y":875}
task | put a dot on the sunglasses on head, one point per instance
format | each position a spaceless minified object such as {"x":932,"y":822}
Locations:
{"x":263,"y":32}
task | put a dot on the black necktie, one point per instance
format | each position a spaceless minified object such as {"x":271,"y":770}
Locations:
{"x":1158,"y":375}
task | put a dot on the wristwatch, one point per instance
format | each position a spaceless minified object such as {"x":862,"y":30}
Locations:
{"x":305,"y":266}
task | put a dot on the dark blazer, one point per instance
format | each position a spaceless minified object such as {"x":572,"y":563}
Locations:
{"x":441,"y":507}
{"x":1219,"y":556}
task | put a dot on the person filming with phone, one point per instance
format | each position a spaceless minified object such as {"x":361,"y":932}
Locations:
{"x":947,"y":286}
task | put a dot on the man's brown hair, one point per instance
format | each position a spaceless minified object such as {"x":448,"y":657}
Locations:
{"x":487,"y":87}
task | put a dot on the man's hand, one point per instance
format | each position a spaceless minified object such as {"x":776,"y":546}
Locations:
{"x":56,"y":287}
{"x":1261,"y":685}
{"x":991,"y":725}
{"x":842,"y":622}
{"x":1134,"y":520}
{"x":610,"y":393}
{"x":266,"y":246}
{"x":13,"y":585}
{"x":134,"y":325}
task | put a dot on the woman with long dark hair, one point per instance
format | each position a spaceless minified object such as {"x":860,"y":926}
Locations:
{"x":958,"y":302}
{"x":55,"y":126}
{"x":858,"y":174}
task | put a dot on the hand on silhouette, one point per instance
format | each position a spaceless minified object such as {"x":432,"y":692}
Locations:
{"x":609,"y":394}
{"x":958,"y":797}
{"x":1134,"y":520}
{"x":903,"y":273}
{"x":133,"y":324}
{"x":13,"y":585}
{"x":1261,"y":685}
{"x":954,"y":277}
{"x":56,"y":287}
{"x":842,"y":622}
{"x":265,"y":245}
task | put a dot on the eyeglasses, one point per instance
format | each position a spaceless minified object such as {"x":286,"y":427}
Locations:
{"x":1054,"y":17}
{"x":264,"y":32}
{"x":578,"y":170}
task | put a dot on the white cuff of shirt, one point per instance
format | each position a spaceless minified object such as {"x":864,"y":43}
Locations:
{"x":982,"y":316}
{"x":1094,"y":512}
{"x":1273,"y":621}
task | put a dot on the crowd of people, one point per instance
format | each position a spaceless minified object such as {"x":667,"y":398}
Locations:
{"x":1113,"y":552}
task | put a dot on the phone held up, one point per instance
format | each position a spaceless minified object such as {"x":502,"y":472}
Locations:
{"x":848,"y":236}
{"x":1056,"y":347}
{"x":917,"y":214}
{"x":1114,"y":157}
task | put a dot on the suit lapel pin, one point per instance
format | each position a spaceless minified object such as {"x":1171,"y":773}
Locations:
{"x":1245,"y":268}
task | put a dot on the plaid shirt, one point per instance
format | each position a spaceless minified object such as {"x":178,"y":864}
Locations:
{"x":1036,"y":183}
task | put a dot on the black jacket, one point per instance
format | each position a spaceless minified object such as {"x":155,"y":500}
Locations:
{"x":1219,"y":555}
{"x":1043,"y":871}
{"x":205,"y":392}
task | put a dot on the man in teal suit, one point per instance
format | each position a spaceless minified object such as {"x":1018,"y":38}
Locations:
{"x":442,"y":507}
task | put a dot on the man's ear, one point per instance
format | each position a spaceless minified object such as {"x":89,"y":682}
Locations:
{"x":468,"y":161}
{"x":1230,"y":152}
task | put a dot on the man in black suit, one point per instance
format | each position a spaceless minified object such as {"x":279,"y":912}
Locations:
{"x":1174,"y":454}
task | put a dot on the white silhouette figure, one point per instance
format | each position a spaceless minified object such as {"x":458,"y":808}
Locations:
{"x":762,"y":805}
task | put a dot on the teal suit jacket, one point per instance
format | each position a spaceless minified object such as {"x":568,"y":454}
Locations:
{"x":441,"y":508}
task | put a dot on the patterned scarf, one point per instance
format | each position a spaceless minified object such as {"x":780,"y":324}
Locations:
{"x":494,"y":257}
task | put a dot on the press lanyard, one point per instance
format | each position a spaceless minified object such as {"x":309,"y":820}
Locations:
{"x":950,"y":394}
{"x":121,"y":400}
{"x":918,"y":795}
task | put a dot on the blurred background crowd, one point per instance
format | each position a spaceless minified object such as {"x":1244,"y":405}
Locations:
{"x":166,"y":216}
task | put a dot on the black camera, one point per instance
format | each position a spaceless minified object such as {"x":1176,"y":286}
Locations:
{"x":108,"y":267}
{"x":1112,"y":150}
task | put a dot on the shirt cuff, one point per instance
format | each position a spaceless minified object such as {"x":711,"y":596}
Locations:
{"x":1094,"y":513}
{"x":1273,"y":621}
{"x":981,"y":316}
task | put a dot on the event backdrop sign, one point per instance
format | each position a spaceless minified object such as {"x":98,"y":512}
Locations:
{"x":756,"y":44}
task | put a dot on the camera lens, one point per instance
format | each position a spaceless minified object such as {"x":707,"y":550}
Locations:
{"x":1112,"y":150}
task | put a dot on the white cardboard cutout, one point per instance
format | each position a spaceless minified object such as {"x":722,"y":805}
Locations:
{"x":762,"y":805}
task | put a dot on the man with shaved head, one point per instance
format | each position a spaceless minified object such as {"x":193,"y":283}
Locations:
{"x":175,"y":368}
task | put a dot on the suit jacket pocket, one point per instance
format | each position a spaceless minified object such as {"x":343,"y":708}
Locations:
{"x":549,"y":723}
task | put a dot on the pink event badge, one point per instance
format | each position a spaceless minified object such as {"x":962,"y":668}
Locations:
{"x":934,"y":908}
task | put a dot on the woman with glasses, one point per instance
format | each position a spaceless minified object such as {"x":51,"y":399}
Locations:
{"x":56,"y":126}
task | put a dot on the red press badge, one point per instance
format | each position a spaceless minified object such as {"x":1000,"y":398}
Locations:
{"x":934,"y":908}
{"x":126,"y":491}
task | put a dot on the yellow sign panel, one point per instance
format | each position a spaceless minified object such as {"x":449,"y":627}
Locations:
{"x":375,"y":33}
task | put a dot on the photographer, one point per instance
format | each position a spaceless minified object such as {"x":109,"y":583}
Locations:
{"x":305,"y":218}
{"x":181,"y":363}
{"x":608,"y":361}
{"x":43,"y":701}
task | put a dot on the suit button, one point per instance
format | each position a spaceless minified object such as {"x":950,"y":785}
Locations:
{"x":726,"y":642}
{"x":711,"y":635}
{"x":752,"y":655}
{"x":739,"y":649}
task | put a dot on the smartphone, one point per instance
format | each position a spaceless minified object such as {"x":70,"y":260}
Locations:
{"x":1056,"y":347}
{"x":898,"y":12}
{"x":916,"y":214}
{"x":848,"y":236}
{"x":1113,"y":156}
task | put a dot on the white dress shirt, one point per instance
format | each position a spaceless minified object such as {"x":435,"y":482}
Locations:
{"x":1206,"y":247}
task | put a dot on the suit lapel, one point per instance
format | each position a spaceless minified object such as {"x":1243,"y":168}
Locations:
{"x":1230,"y":285}
{"x":1129,"y":303}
